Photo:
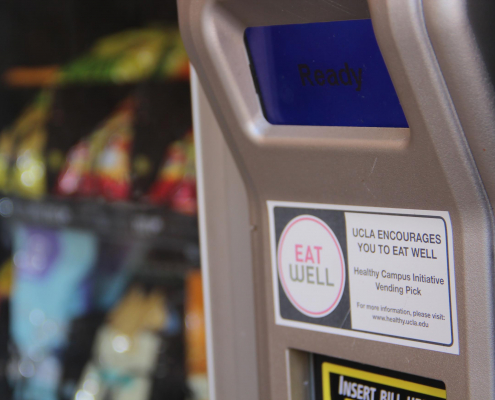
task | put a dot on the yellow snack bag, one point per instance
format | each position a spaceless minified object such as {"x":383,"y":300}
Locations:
{"x":29,"y":137}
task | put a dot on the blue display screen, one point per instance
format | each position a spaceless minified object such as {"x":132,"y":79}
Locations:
{"x":329,"y":74}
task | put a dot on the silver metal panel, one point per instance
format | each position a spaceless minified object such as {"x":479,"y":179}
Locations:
{"x":466,"y":74}
{"x":429,"y":166}
{"x":458,"y":52}
{"x":300,"y":375}
{"x":226,"y":260}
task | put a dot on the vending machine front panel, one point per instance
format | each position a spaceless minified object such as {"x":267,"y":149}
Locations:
{"x":371,"y":241}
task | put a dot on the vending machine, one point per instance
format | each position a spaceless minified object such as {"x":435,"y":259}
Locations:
{"x":346,"y":191}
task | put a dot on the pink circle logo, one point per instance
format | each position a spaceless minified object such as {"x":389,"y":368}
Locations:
{"x":311,"y":266}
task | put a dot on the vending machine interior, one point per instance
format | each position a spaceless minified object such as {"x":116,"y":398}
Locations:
{"x":100,"y":286}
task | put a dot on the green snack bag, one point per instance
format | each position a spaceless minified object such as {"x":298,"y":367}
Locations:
{"x":124,"y":57}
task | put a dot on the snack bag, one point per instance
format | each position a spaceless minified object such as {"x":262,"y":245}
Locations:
{"x":77,"y":112}
{"x":126,"y":349}
{"x":113,"y":164}
{"x":70,"y":179}
{"x":183,"y":198}
{"x":170,"y":175}
{"x":124,"y":57}
{"x":99,"y":164}
{"x":30,"y":135}
{"x":51,"y":267}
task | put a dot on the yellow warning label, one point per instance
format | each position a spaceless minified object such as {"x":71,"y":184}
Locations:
{"x":344,"y":383}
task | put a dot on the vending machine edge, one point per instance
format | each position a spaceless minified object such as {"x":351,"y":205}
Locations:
{"x":439,"y":167}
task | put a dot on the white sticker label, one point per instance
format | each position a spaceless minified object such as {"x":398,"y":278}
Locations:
{"x":375,"y":273}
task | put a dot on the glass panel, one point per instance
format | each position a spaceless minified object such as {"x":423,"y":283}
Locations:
{"x":100,"y":284}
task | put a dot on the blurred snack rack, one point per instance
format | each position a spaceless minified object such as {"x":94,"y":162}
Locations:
{"x":100,"y":286}
{"x":159,"y":226}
